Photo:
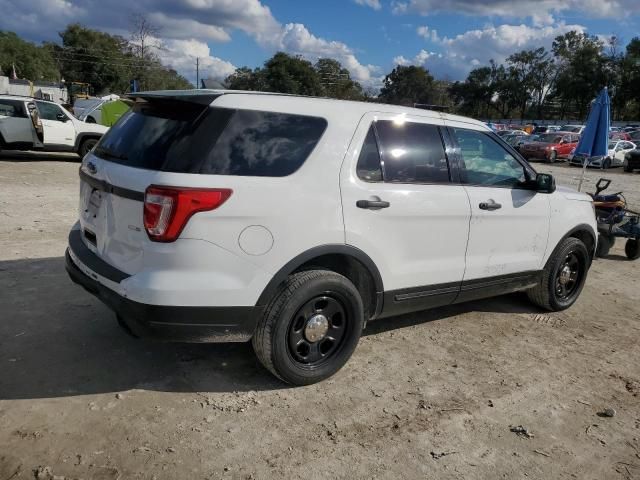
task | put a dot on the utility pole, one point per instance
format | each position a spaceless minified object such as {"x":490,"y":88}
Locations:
{"x":197,"y":72}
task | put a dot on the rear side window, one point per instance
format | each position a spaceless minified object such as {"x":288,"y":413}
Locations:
{"x":182,"y":137}
{"x":369,"y":168}
{"x":412,"y":152}
{"x":264,"y":144}
{"x":11,"y":108}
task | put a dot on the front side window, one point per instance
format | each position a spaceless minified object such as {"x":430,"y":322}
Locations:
{"x":412,"y":152}
{"x":48,"y":111}
{"x":369,"y":168}
{"x":486,"y":162}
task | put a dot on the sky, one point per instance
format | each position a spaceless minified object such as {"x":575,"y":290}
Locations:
{"x":369,"y":37}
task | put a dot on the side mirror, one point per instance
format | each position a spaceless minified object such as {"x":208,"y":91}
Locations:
{"x":545,"y":183}
{"x":62,"y":117}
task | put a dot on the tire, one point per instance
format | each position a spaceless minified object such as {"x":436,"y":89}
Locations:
{"x":632,"y":249}
{"x":546,"y":294}
{"x":606,"y":164}
{"x":281,"y":340}
{"x":628,"y":169}
{"x":553,"y":156}
{"x":86,"y":146}
{"x":605,"y":244}
{"x":90,"y":120}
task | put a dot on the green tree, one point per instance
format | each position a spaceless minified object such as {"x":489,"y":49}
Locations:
{"x":102,"y":60}
{"x":31,"y":61}
{"x":336,"y":80}
{"x":286,"y":73}
{"x":407,"y":86}
{"x":282,"y":73}
{"x":109,"y":62}
{"x":533,"y":73}
{"x":246,"y":79}
{"x":474,"y":95}
{"x":582,"y":71}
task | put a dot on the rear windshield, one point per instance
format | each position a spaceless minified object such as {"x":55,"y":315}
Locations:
{"x":188,"y":138}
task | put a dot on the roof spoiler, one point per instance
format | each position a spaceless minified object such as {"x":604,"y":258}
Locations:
{"x":200,"y":97}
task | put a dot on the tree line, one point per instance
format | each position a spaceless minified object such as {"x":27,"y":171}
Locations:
{"x":536,"y":83}
{"x":107,"y":62}
{"x":559,"y":83}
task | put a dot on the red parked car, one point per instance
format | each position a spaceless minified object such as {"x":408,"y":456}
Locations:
{"x":619,"y":136}
{"x":551,"y":146}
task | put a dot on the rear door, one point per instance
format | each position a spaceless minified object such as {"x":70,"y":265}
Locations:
{"x":58,"y":127}
{"x":403,"y":209}
{"x":15,"y":122}
{"x":509,"y":224}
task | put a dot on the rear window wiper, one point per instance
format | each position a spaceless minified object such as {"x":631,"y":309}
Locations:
{"x":101,"y":151}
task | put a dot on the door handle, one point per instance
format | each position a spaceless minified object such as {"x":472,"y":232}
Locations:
{"x":372,"y":204}
{"x":490,"y":205}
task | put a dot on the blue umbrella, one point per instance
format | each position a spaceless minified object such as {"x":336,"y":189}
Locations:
{"x":594,"y":141}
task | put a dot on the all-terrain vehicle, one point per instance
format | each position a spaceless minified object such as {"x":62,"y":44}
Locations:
{"x":615,"y":220}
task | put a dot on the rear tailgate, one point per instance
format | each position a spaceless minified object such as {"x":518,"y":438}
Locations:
{"x":129,"y":158}
{"x":111,"y":205}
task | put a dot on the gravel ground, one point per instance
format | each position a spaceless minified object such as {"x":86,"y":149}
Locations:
{"x":429,"y":395}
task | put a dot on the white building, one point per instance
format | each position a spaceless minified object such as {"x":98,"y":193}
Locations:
{"x":56,"y":92}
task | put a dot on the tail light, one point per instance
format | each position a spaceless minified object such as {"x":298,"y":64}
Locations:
{"x":168,"y":209}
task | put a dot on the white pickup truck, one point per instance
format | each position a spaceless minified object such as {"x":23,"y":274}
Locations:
{"x":32,"y":124}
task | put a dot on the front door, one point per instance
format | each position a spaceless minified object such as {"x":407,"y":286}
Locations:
{"x":401,"y":208}
{"x":509,"y":225}
{"x":59,"y":131}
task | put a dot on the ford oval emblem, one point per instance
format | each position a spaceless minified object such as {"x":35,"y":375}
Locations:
{"x":91,"y":167}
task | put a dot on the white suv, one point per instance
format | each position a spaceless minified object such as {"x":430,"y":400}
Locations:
{"x":30,"y":124}
{"x":292,"y":221}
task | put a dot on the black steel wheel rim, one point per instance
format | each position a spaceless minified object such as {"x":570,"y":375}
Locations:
{"x":568,"y":276}
{"x":305,"y":349}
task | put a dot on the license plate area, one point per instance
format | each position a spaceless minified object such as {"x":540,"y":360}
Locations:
{"x":94,"y":202}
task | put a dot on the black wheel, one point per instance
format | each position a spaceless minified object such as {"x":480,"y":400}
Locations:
{"x":86,"y":146}
{"x":632,"y":249}
{"x":606,"y":164}
{"x":627,"y":168}
{"x":311,"y":327}
{"x":563,"y":277}
{"x":553,"y":156}
{"x":605,"y":244}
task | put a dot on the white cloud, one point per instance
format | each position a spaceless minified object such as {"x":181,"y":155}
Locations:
{"x":187,"y":28}
{"x":473,"y":48}
{"x":375,"y":4}
{"x":187,"y":24}
{"x":297,"y":39}
{"x":537,"y":9}
{"x":428,"y":33}
{"x":181,"y":55}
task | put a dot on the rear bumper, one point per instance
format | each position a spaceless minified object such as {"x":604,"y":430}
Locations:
{"x":161,"y":322}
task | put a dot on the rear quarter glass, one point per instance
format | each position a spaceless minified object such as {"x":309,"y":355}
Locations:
{"x":181,"y":137}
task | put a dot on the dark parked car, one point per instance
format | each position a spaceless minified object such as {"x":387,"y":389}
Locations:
{"x":632,"y":161}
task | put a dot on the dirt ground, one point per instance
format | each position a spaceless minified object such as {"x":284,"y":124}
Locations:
{"x":430,"y":395}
